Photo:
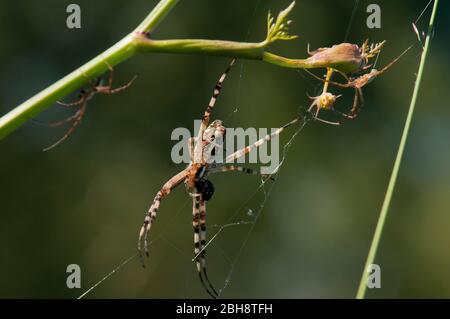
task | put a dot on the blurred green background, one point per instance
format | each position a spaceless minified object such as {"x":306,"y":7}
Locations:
{"x":84,"y":201}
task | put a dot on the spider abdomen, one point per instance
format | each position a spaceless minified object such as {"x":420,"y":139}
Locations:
{"x":205,"y":187}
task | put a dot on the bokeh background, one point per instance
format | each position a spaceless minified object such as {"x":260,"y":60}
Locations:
{"x":84,"y":201}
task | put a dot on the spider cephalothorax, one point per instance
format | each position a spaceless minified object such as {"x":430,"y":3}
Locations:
{"x":215,"y":131}
{"x":202,"y":151}
{"x":213,"y":138}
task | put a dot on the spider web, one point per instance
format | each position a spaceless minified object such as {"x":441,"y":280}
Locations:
{"x":243,"y":216}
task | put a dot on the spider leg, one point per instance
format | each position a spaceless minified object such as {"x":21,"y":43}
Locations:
{"x":196,"y":226}
{"x":120,"y":88}
{"x":84,"y":96}
{"x":57,"y":123}
{"x":231,"y":168}
{"x":217,"y":88}
{"x":311,"y":107}
{"x":153,"y":210}
{"x":326,"y":122}
{"x":361,"y":98}
{"x":199,"y":224}
{"x":313,"y":104}
{"x":232,"y":157}
{"x":106,"y":89}
{"x":316,"y":115}
{"x":358,"y":102}
{"x":77,"y":102}
{"x":191,"y":145}
{"x":309,"y":51}
{"x":198,"y":153}
{"x":356,"y":107}
{"x":354,"y":110}
{"x":78,"y":117}
{"x":393,"y":62}
{"x":110,"y":76}
{"x":343,"y":85}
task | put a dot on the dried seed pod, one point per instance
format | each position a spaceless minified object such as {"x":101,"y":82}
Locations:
{"x":345,"y":57}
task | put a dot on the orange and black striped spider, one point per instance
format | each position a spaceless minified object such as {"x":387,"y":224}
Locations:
{"x":85,"y":95}
{"x":202,"y":149}
{"x":326,"y":100}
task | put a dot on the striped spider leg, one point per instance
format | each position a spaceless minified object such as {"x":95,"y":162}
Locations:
{"x":85,"y":95}
{"x":234,"y":156}
{"x":236,"y":168}
{"x":153,"y":210}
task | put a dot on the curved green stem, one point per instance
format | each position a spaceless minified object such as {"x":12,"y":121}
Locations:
{"x":390,"y":190}
{"x":139,"y":41}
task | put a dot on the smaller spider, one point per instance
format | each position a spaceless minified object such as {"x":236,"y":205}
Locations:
{"x":326,"y":100}
{"x":85,"y":95}
{"x":202,"y":149}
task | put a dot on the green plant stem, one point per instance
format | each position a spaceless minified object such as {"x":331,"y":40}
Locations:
{"x":139,"y":41}
{"x":391,"y":186}
{"x":243,"y":50}
{"x":158,"y":14}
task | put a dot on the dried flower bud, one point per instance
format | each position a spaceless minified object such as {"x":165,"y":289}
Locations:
{"x":345,"y":57}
